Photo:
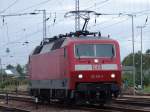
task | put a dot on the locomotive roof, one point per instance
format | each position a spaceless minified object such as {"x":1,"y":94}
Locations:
{"x":83,"y":38}
{"x":80,"y":38}
{"x":91,"y":38}
{"x":51,"y":44}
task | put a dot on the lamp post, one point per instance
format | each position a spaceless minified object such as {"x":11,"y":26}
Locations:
{"x":141,"y":29}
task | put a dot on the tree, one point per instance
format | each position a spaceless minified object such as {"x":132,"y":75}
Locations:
{"x":128,"y":61}
{"x":19,"y":69}
{"x":10,"y":66}
{"x":148,"y":51}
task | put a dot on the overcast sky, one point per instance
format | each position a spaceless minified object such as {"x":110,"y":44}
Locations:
{"x":15,"y":30}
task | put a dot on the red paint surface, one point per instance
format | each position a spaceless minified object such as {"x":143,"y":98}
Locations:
{"x":53,"y":65}
{"x":47,"y":66}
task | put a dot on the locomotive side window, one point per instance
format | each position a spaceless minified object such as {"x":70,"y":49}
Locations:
{"x":94,"y":50}
{"x":57,"y":44}
{"x":46,"y":48}
{"x":37,"y":50}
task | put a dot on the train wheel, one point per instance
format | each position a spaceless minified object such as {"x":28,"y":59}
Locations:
{"x":101,"y":105}
{"x":69,"y":102}
{"x":79,"y":98}
{"x":44,"y":99}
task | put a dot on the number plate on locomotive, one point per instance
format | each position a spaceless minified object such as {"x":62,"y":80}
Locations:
{"x":96,"y":67}
{"x":93,"y":76}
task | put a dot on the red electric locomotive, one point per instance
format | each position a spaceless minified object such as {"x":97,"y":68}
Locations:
{"x":80,"y":67}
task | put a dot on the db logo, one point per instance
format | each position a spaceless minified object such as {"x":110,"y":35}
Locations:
{"x":96,"y":67}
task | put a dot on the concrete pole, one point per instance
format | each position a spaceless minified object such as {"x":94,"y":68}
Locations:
{"x":141,"y":60}
{"x":132,"y":16}
{"x":1,"y":70}
{"x":141,"y":29}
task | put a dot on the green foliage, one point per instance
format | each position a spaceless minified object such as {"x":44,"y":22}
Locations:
{"x":126,"y":77}
{"x":10,"y":66}
{"x":19,"y":69}
{"x":148,"y":51}
{"x":10,"y":83}
{"x":146,"y":80}
{"x":128,"y":61}
{"x":146,"y":89}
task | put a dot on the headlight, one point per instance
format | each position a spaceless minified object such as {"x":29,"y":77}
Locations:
{"x":113,"y":76}
{"x":80,"y":76}
{"x":95,"y":60}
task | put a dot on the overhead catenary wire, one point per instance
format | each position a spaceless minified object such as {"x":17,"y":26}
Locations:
{"x":106,"y":21}
{"x":115,"y":23}
{"x":97,"y":4}
{"x":32,"y":6}
{"x":134,"y":13}
{"x":106,"y":0}
{"x":31,"y":34}
{"x":11,"y":5}
{"x":100,"y":5}
{"x":138,"y":13}
{"x":51,"y":15}
{"x":21,"y":38}
{"x":18,"y":14}
{"x":18,"y":40}
{"x":25,"y":14}
{"x":108,"y":25}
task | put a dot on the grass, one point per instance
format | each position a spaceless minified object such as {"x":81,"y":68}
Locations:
{"x":146,"y":89}
{"x":12,"y":84}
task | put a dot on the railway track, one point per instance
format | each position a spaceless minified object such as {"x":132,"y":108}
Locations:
{"x":9,"y":109}
{"x":118,"y":105}
{"x":127,"y":108}
{"x":23,"y":98}
{"x":15,"y":92}
{"x":133,"y":102}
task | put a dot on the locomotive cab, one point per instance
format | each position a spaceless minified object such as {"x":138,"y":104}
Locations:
{"x":95,"y":69}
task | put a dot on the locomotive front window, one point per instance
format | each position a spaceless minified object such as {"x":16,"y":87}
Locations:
{"x":94,"y":50}
{"x":104,"y":50}
{"x":84,"y":50}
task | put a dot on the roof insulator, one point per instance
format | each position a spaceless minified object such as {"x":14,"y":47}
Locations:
{"x":99,"y":34}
